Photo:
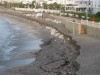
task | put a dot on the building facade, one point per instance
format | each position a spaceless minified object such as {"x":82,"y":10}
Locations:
{"x":96,"y":6}
{"x":79,"y":5}
{"x":26,"y":1}
{"x":89,"y":6}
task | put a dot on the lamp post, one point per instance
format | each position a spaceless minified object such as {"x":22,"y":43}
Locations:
{"x":87,"y":10}
{"x":65,"y":5}
{"x":36,"y":4}
{"x":60,"y":9}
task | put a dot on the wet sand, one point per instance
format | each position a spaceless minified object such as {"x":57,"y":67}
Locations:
{"x":56,"y":57}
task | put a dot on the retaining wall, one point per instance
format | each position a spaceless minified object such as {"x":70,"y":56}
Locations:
{"x":68,"y":25}
{"x":93,"y":31}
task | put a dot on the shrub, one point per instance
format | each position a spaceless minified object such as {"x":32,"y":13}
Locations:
{"x":95,"y":16}
{"x":98,"y":14}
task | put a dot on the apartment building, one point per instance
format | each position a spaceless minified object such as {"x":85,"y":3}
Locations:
{"x":96,"y":6}
{"x":79,"y":5}
{"x":89,"y":6}
{"x":51,"y":1}
{"x":26,"y":1}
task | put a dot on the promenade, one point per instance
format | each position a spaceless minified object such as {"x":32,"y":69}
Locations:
{"x":89,"y":58}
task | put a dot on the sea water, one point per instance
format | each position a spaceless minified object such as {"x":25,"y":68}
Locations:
{"x":13,"y":41}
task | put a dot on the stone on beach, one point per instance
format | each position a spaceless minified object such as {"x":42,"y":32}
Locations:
{"x":61,"y":37}
{"x":57,"y":34}
{"x":53,"y":31}
{"x":48,"y":28}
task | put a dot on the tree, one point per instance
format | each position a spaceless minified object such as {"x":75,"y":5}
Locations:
{"x":45,"y":6}
{"x":57,"y":6}
{"x":38,"y":5}
{"x":32,"y":5}
{"x":51,"y":6}
{"x":98,"y":14}
{"x":5,"y":4}
{"x":21,"y":5}
{"x":54,"y":6}
{"x":1,"y":4}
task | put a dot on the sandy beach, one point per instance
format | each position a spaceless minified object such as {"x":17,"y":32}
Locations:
{"x":56,"y":56}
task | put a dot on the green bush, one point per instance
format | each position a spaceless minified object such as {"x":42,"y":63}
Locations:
{"x":95,"y":16}
{"x":98,"y":15}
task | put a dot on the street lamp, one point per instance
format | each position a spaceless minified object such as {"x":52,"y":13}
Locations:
{"x":65,"y":5}
{"x":60,"y":9}
{"x":36,"y":4}
{"x":87,"y":10}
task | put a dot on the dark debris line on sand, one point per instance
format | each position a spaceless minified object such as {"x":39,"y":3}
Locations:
{"x":56,"y":57}
{"x":53,"y":59}
{"x":60,"y":61}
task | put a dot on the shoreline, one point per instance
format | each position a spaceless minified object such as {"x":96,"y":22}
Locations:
{"x":62,"y":54}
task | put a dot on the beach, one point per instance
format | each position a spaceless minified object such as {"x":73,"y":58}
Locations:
{"x":55,"y":57}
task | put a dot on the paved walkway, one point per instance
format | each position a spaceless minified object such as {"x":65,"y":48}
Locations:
{"x":89,"y":58}
{"x":85,"y":22}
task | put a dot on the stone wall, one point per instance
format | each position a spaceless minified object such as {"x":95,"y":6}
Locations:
{"x":93,"y":31}
{"x":68,"y":25}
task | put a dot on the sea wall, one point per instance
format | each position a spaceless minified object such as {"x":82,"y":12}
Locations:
{"x":92,"y":29}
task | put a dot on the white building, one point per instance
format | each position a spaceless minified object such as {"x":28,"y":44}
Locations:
{"x":50,"y":1}
{"x":26,"y":1}
{"x":96,"y":6}
{"x":91,"y":6}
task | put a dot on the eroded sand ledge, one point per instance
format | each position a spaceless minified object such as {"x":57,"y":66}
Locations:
{"x":57,"y":56}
